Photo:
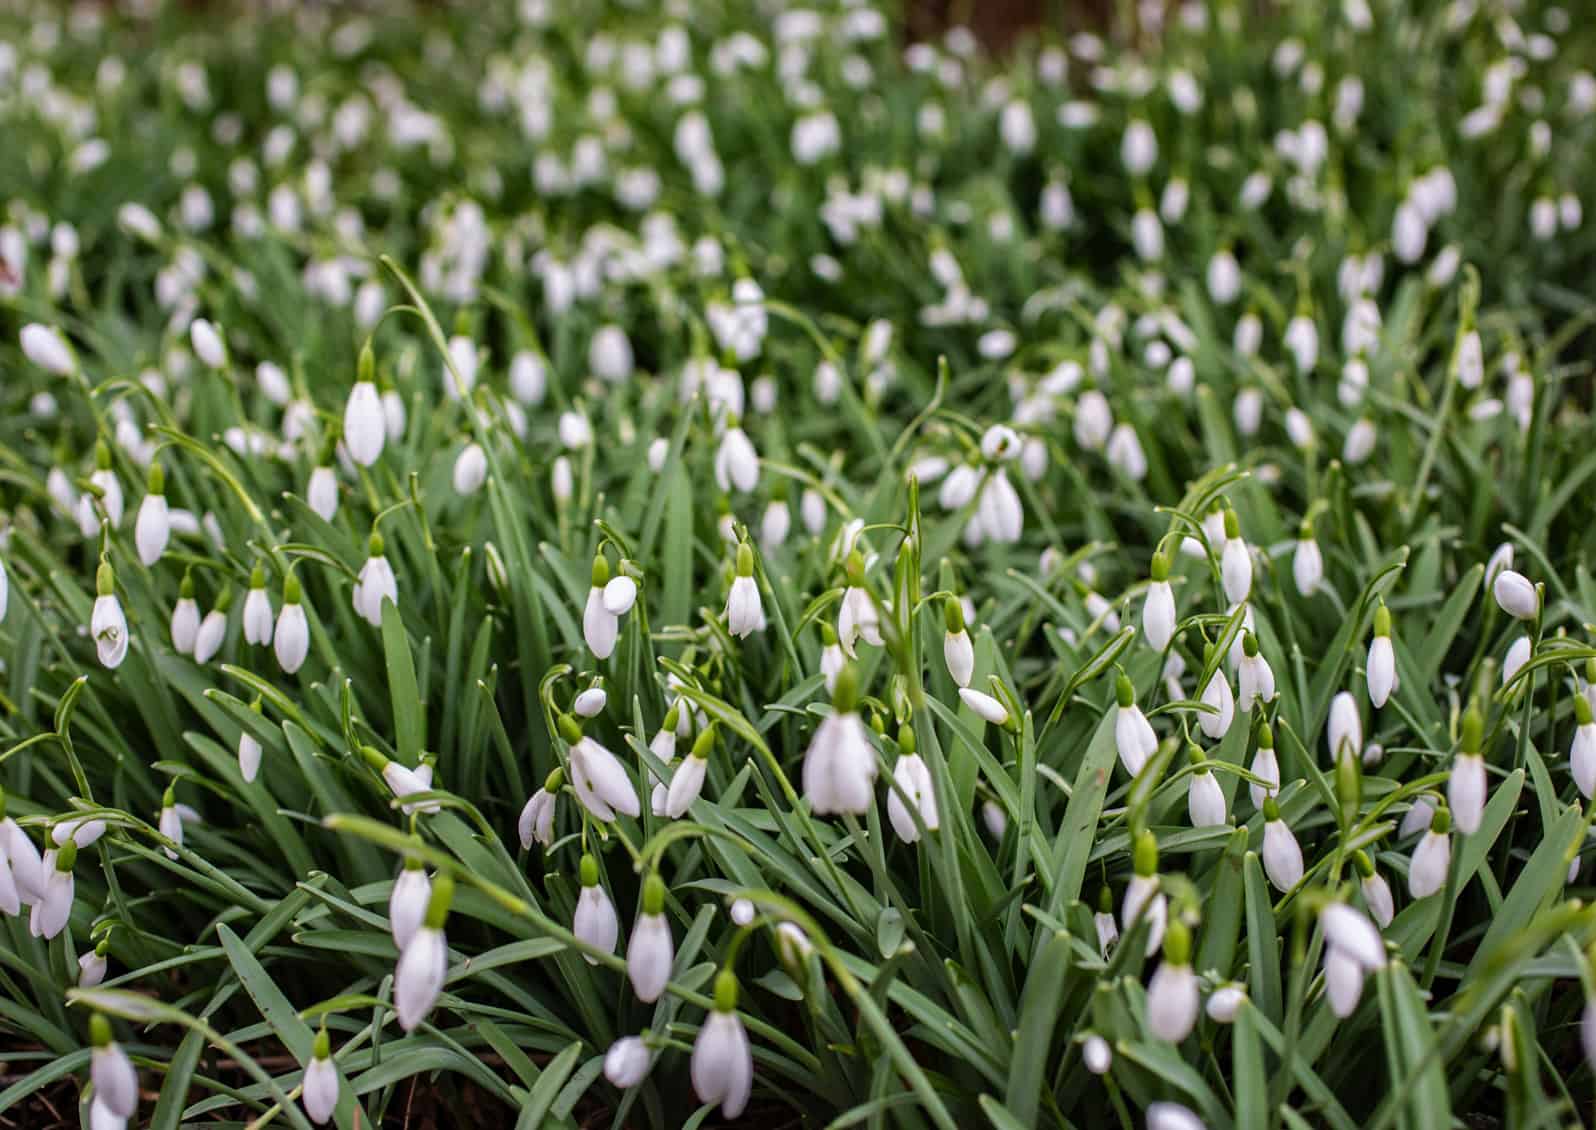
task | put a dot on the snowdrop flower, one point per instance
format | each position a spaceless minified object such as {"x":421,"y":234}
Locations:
{"x":1345,"y":731}
{"x":1343,"y":982}
{"x":775,"y":525}
{"x":857,"y":618}
{"x":319,"y":1089}
{"x":91,"y":965}
{"x":401,"y":780}
{"x":723,"y":1064}
{"x":537,"y":818}
{"x":212,"y":629}
{"x":1516,"y":595}
{"x":687,"y":781}
{"x":913,"y":777}
{"x":1138,"y":147}
{"x":1255,"y":678}
{"x":1582,"y":754}
{"x":1142,"y":894}
{"x":365,"y":427}
{"x":1282,"y":856}
{"x":116,"y":1083}
{"x":57,"y":890}
{"x":1172,"y":997}
{"x":107,"y":493}
{"x":1215,"y":723}
{"x":1469,"y":362}
{"x":650,"y":952}
{"x":1225,"y":1002}
{"x":1205,"y":800}
{"x":1380,"y":669}
{"x":528,"y":377}
{"x":1224,"y":277}
{"x":1500,"y":561}
{"x":47,"y":348}
{"x":1133,"y":734}
{"x":627,"y":1062}
{"x":594,"y":921}
{"x":407,"y":903}
{"x":600,"y":626}
{"x":1018,"y":128}
{"x":987,"y":707}
{"x":208,"y":344}
{"x":1302,"y":342}
{"x":257,"y":609}
{"x":423,"y":963}
{"x":609,"y":354}
{"x":1307,"y":563}
{"x":1248,"y":408}
{"x":1517,"y":655}
{"x":1158,"y":611}
{"x":620,"y":593}
{"x":1265,"y":766}
{"x":1376,"y":891}
{"x":744,"y":612}
{"x":1147,"y":235}
{"x":1467,"y":785}
{"x":1432,"y":858}
{"x":169,"y":823}
{"x":1103,"y":921}
{"x":601,"y":782}
{"x":22,"y":873}
{"x":470,"y":470}
{"x":736,"y":461}
{"x":1172,"y":1116}
{"x":994,"y":819}
{"x":590,"y":702}
{"x":832,"y":657}
{"x":1097,"y":1055}
{"x":153,"y":528}
{"x":839,"y":772}
{"x":107,"y":624}
{"x":322,"y":492}
{"x":999,"y":515}
{"x":291,"y":640}
{"x":1235,"y":563}
{"x":957,"y":650}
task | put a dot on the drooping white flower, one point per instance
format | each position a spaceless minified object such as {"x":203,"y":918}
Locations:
{"x":600,"y":626}
{"x":1254,"y":677}
{"x":291,"y":638}
{"x":1134,"y":739}
{"x":258,"y":620}
{"x":958,"y":652}
{"x":1265,"y":766}
{"x":116,"y":1083}
{"x":1344,"y":734}
{"x":407,"y":903}
{"x":609,"y":354}
{"x":47,"y":348}
{"x":57,"y":891}
{"x":722,"y":1064}
{"x":1518,"y":654}
{"x":107,"y":623}
{"x":1282,"y":855}
{"x":537,"y":818}
{"x":745,"y":614}
{"x":1143,"y":896}
{"x":1235,"y":563}
{"x":857,"y":619}
{"x":153,"y":527}
{"x":590,"y":702}
{"x":736,"y":462}
{"x":1516,"y":595}
{"x":1216,"y":694}
{"x":912,"y":776}
{"x":249,"y":754}
{"x":169,"y":823}
{"x":988,"y":708}
{"x":1380,"y":670}
{"x":1343,"y":982}
{"x":21,"y":860}
{"x":1172,"y":1116}
{"x":91,"y":965}
{"x":1097,"y":1055}
{"x":208,"y":344}
{"x":650,"y":950}
{"x":775,"y":525}
{"x":1205,"y":799}
{"x":594,"y":921}
{"x":365,"y":426}
{"x":1432,"y":858}
{"x":470,"y":470}
{"x":1376,"y":894}
{"x":1158,"y":611}
{"x":1172,"y":996}
{"x":1582,"y":754}
{"x":839,"y":772}
{"x":601,"y":782}
{"x":687,"y":779}
{"x":319,"y":1089}
{"x":424,"y":962}
{"x":627,"y":1061}
{"x":832,"y":658}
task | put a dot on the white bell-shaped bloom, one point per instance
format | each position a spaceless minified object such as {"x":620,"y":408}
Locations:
{"x":1097,"y":1055}
{"x":57,"y":891}
{"x":152,"y":529}
{"x":600,"y":627}
{"x":1431,"y":858}
{"x":911,"y":774}
{"x":1282,"y":855}
{"x":1216,"y":694}
{"x":258,"y":619}
{"x":116,"y":1083}
{"x":1158,"y":614}
{"x":407,"y":904}
{"x":1516,"y":595}
{"x":1380,"y":670}
{"x":322,"y":493}
{"x":627,"y":1062}
{"x":650,"y":950}
{"x":590,"y":702}
{"x":365,"y":425}
{"x":1582,"y":753}
{"x":1343,"y":982}
{"x":470,"y":470}
{"x":687,"y":779}
{"x":745,"y":614}
{"x":418,"y":978}
{"x":1466,"y":790}
{"x":620,"y":593}
{"x":736,"y":462}
{"x":1205,"y":800}
{"x":1172,"y":997}
{"x":1134,"y":739}
{"x":249,"y":754}
{"x":47,"y":348}
{"x":1225,"y":1002}
{"x":1255,"y":679}
{"x":839,"y":772}
{"x":1266,"y":767}
{"x":537,"y":819}
{"x":1172,"y":1116}
{"x":291,"y":638}
{"x":600,"y":780}
{"x":595,"y":921}
{"x":1344,"y":734}
{"x":858,"y":619}
{"x":319,"y":1089}
{"x":722,"y":1064}
{"x":1235,"y":563}
{"x":91,"y":966}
